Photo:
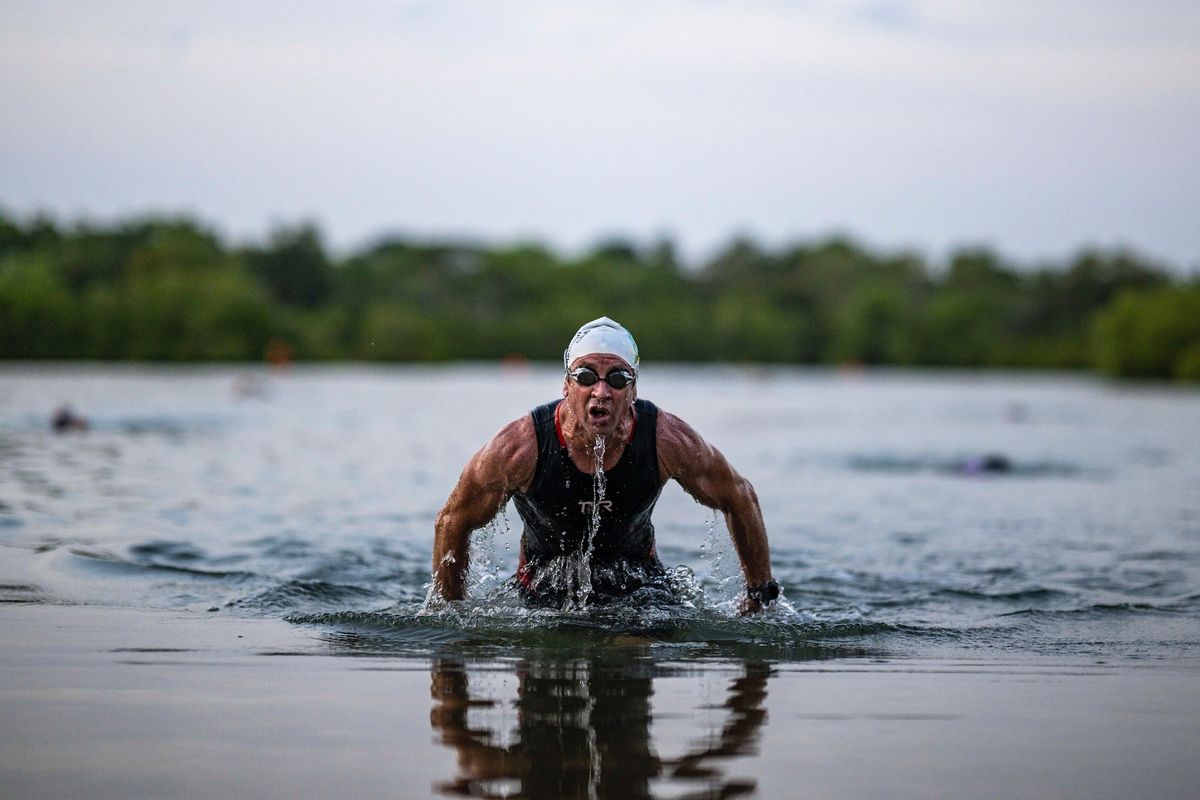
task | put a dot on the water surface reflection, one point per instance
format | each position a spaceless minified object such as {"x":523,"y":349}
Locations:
{"x":582,"y":727}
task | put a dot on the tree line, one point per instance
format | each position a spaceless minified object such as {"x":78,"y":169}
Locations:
{"x":170,"y":289}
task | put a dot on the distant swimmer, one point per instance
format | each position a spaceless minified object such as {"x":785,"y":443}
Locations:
{"x":987,"y":463}
{"x":65,"y":419}
{"x":576,"y":516}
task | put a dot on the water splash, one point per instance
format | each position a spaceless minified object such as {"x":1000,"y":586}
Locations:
{"x":724,"y":573}
{"x":508,"y":534}
{"x":599,"y":484}
{"x":569,"y":576}
{"x":487,"y":572}
{"x":486,"y":568}
{"x":584,"y":562}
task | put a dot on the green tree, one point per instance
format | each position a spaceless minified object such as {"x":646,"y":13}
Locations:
{"x":875,"y":327}
{"x":38,"y":316}
{"x":1150,"y":334}
{"x":294,"y":268}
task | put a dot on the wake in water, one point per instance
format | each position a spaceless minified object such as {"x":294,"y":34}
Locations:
{"x":577,"y":602}
{"x":589,"y":601}
{"x":503,"y":621}
{"x":373,"y":594}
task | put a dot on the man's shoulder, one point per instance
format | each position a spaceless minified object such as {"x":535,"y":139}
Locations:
{"x":514,"y":436}
{"x":671,"y":423}
{"x":677,"y":440}
{"x":511,"y":455}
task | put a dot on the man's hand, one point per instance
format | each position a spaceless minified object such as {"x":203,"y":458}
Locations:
{"x":749,"y":606}
{"x":759,"y":597}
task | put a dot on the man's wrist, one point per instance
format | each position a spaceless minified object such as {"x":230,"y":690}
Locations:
{"x":763,"y":593}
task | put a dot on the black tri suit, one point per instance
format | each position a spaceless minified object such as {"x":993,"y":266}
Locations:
{"x":558,"y":514}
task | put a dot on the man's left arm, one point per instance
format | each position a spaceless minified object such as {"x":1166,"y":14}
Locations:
{"x":706,"y":475}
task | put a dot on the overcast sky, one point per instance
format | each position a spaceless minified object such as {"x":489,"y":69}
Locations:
{"x":1034,"y":127}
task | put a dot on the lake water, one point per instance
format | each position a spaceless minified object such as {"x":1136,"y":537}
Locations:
{"x":992,"y":588}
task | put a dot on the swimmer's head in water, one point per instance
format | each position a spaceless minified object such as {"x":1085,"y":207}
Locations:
{"x":602,"y":336}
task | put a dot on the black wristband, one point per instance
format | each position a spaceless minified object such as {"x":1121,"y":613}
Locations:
{"x":764,"y":593}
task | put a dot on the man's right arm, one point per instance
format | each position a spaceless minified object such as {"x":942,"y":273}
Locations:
{"x":706,"y":475}
{"x":504,"y":465}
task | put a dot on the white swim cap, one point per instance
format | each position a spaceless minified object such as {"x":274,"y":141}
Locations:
{"x":602,"y":336}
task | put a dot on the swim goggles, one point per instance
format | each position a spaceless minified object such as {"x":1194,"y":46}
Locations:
{"x":617,"y":379}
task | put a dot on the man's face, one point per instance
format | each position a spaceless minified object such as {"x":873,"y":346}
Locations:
{"x":600,"y":409}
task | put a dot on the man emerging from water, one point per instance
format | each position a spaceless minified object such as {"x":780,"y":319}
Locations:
{"x":585,"y":473}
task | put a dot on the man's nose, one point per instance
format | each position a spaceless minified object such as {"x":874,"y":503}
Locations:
{"x":601,"y":389}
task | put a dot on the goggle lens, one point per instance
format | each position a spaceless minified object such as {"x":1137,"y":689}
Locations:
{"x":617,"y":379}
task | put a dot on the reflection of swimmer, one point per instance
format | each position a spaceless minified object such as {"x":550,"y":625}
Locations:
{"x":65,"y":419}
{"x":547,"y":462}
{"x":583,"y":730}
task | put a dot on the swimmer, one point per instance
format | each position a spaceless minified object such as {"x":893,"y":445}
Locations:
{"x":65,"y":419}
{"x":546,"y":462}
{"x":987,"y":463}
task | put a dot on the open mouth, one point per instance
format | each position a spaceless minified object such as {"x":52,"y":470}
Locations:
{"x":599,"y":414}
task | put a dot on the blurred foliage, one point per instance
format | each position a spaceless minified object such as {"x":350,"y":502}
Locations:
{"x":169,"y":289}
{"x":1152,"y":333}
